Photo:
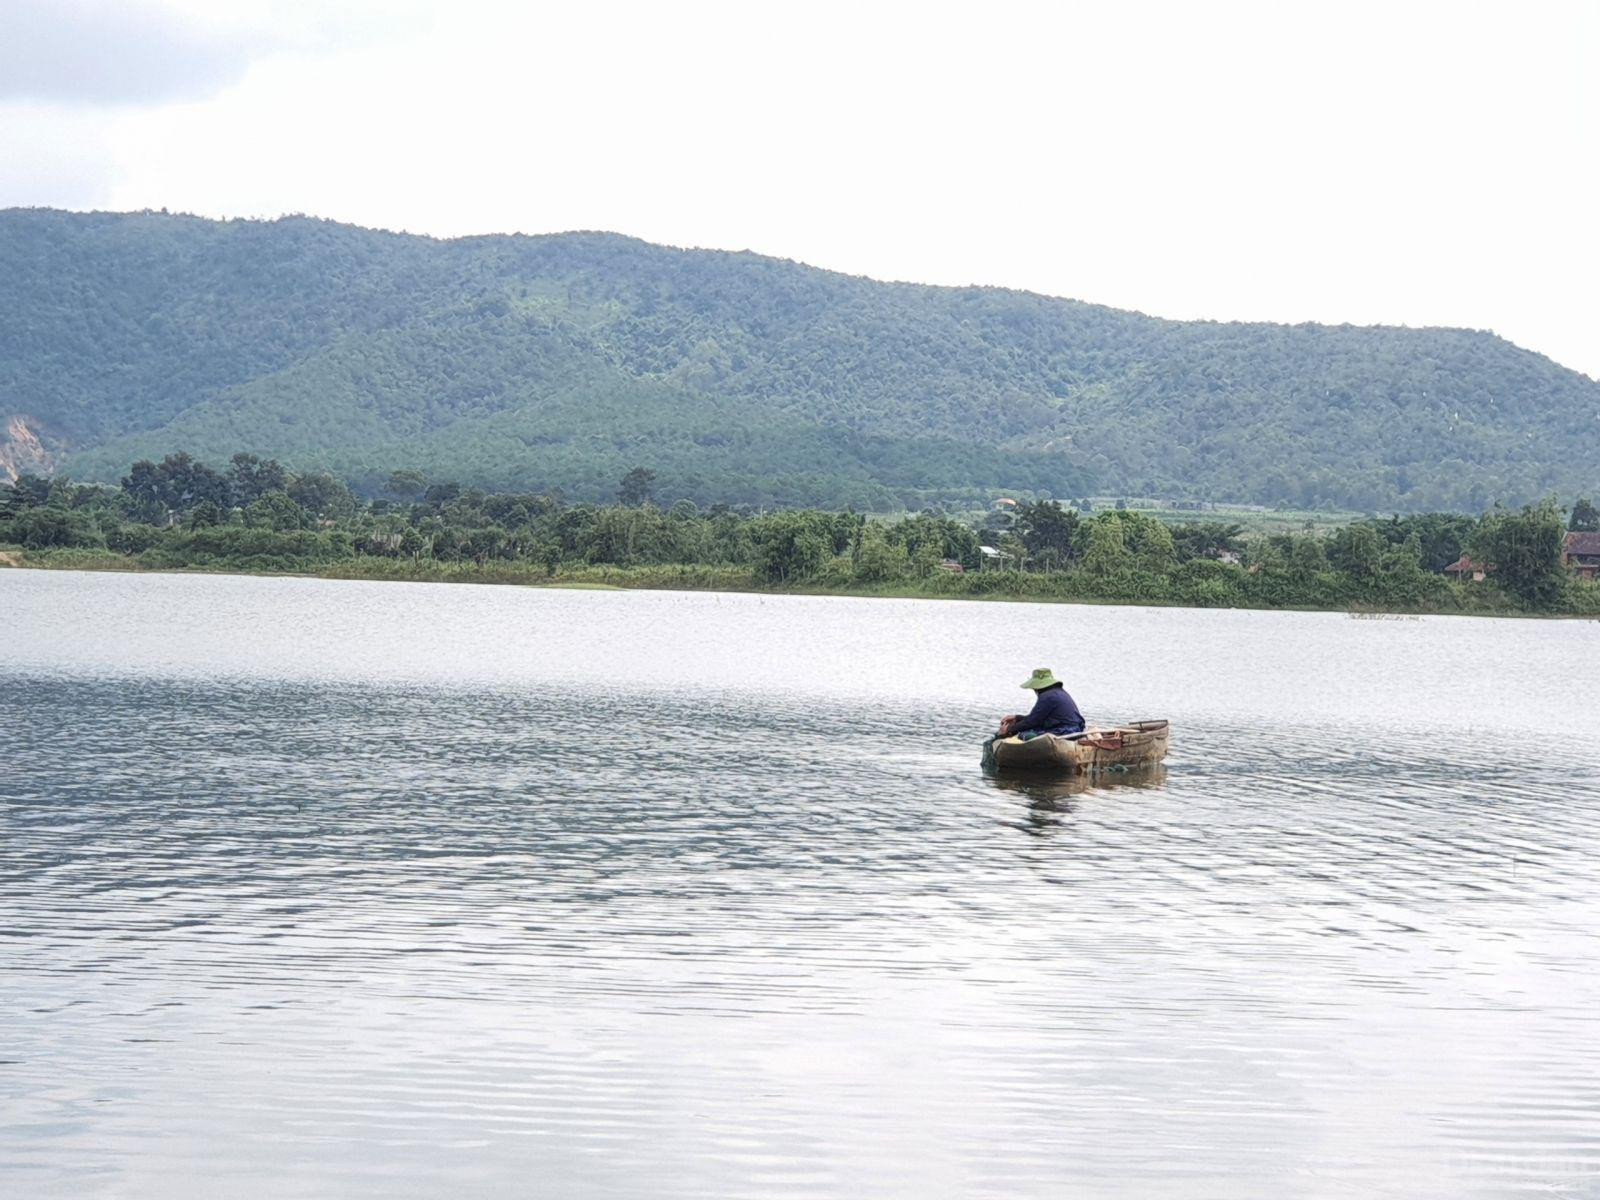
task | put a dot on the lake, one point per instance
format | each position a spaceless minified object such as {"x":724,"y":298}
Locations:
{"x":314,"y":888}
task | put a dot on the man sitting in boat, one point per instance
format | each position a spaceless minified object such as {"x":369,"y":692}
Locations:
{"x":1053,"y":710}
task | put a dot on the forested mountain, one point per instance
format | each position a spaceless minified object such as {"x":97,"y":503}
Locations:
{"x":563,"y":361}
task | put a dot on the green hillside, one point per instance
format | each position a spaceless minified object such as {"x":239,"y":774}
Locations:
{"x":562,"y":361}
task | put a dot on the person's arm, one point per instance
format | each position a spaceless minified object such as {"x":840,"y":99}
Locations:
{"x":1035,"y":718}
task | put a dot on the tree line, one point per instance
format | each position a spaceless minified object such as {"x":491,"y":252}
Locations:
{"x":256,"y":515}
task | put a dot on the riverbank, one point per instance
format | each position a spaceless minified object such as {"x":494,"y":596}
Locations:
{"x":1460,"y":598}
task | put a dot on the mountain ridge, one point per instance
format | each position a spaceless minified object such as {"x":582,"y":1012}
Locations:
{"x":563,"y":360}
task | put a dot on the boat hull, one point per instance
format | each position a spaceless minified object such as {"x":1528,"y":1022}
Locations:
{"x":1119,"y":748}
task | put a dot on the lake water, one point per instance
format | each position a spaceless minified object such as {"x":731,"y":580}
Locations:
{"x":314,"y":889}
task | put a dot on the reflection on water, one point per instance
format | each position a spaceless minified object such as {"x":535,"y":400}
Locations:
{"x":1046,"y":787}
{"x":1051,"y":797}
{"x":315,"y":889}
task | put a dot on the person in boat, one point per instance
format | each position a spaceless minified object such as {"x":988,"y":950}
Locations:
{"x":1053,"y":710}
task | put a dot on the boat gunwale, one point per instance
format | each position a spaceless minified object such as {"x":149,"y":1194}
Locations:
{"x":1142,"y":743}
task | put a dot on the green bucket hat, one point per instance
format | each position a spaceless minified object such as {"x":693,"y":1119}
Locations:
{"x":1042,"y":677}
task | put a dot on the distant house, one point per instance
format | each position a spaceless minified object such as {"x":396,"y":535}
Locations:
{"x":951,"y":565}
{"x":1228,"y":556}
{"x":1465,"y":568}
{"x":1580,"y":553}
{"x":1004,"y":504}
{"x":993,"y":557}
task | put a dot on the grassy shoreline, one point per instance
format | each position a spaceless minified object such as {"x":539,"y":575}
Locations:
{"x":1004,"y":587}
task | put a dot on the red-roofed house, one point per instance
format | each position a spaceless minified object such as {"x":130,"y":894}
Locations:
{"x":1580,"y":552}
{"x":1465,"y":568}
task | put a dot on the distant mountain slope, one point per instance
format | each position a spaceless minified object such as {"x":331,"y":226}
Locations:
{"x":563,"y":361}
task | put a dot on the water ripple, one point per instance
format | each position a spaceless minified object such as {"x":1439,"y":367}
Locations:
{"x":336,"y":929}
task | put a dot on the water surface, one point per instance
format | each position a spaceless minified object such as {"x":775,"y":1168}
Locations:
{"x":315,"y":888}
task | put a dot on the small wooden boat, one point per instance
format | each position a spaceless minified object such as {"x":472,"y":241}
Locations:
{"x":1118,"y":748}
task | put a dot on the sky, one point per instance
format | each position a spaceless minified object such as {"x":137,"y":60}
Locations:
{"x":1405,"y":162}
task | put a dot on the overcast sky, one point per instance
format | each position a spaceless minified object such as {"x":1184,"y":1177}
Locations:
{"x":1407,"y":163}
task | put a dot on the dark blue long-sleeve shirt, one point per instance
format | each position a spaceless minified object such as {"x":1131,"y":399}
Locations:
{"x":1053,"y":712}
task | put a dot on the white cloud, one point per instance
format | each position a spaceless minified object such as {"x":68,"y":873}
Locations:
{"x":53,"y":158}
{"x":133,"y":52}
{"x":1420,"y":163}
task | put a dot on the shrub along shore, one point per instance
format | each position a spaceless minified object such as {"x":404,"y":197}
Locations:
{"x":1032,"y":587}
{"x":257,"y":518}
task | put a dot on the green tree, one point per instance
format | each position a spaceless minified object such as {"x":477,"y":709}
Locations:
{"x":1105,"y":550}
{"x":440,"y":494}
{"x":29,"y":491}
{"x":1523,"y":548}
{"x":1441,"y":536}
{"x":1150,"y":541}
{"x":1585,"y":518}
{"x":275,"y":511}
{"x":322,"y":496}
{"x":636,"y":487}
{"x":1356,"y":550}
{"x":406,"y":484}
{"x":925,"y":561}
{"x":250,"y":478}
{"x":206,"y":513}
{"x":1048,"y":531}
{"x":157,"y":491}
{"x":45,"y":527}
{"x":1307,"y":554}
{"x":790,"y":546}
{"x":1206,"y":539}
{"x":131,"y":537}
{"x":1125,"y":538}
{"x":877,"y":559}
{"x":926,"y":536}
